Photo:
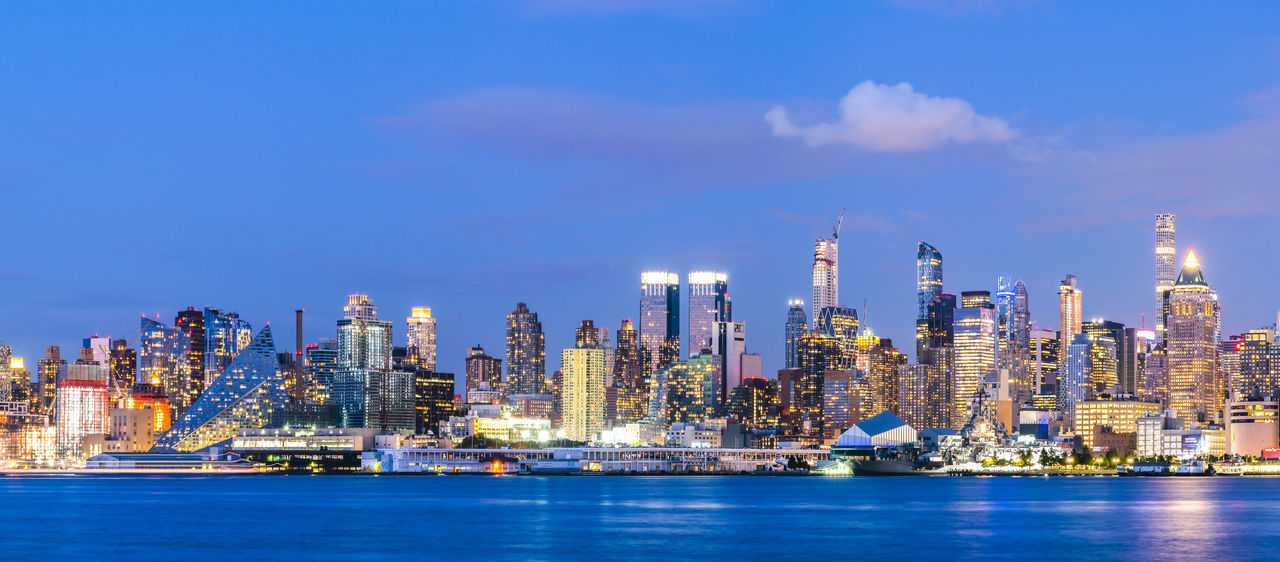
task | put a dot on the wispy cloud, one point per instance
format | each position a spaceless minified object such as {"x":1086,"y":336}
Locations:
{"x":895,"y":118}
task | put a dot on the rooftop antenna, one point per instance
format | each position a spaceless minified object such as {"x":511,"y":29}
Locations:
{"x":863,"y":326}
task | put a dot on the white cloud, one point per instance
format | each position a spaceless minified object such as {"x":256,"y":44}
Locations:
{"x":895,"y":119}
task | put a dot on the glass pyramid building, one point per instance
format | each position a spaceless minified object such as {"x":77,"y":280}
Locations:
{"x":248,"y":394}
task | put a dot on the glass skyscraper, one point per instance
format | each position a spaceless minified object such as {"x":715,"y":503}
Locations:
{"x":1191,"y":327}
{"x":1166,"y":267}
{"x":797,"y":325}
{"x":363,"y":388}
{"x":421,"y":332}
{"x":928,"y":278}
{"x":660,"y":317}
{"x":248,"y":394}
{"x":841,"y":323}
{"x":975,"y":352}
{"x":708,"y":304}
{"x":1070,"y":310}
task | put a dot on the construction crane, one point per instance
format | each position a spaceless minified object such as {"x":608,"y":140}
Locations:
{"x":835,"y":230}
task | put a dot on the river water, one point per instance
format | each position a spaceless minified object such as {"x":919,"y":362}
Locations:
{"x":634,"y":517}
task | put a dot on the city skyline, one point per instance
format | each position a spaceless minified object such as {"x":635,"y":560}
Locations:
{"x":1066,"y":194}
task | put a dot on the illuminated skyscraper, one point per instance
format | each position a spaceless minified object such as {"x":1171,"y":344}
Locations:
{"x":730,"y":345}
{"x":797,"y":325}
{"x":124,"y":364}
{"x":321,"y":364}
{"x":421,"y":331}
{"x":248,"y":394}
{"x":526,"y":352}
{"x":1074,"y":380}
{"x":481,"y":368}
{"x":755,"y":403}
{"x":660,"y":317}
{"x":841,"y":323}
{"x":1166,"y":266}
{"x":826,"y":274}
{"x":975,"y":352}
{"x":49,"y":369}
{"x":819,"y":353}
{"x":1069,"y":309}
{"x":928,"y":278}
{"x":366,"y":390}
{"x":1191,"y":327}
{"x":1259,"y":369}
{"x":83,"y":402}
{"x":1043,"y":359}
{"x":225,"y":335}
{"x":691,"y":389}
{"x":158,"y":354}
{"x":885,"y":362}
{"x":708,"y":304}
{"x":582,"y":392}
{"x":6,"y":376}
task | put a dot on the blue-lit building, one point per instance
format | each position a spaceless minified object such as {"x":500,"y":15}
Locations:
{"x":225,"y":335}
{"x":248,"y":394}
{"x":928,"y":278}
{"x":369,"y":393}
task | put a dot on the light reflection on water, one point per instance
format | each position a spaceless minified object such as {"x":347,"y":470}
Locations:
{"x":640,"y":517}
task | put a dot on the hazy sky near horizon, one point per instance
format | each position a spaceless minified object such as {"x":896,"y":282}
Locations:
{"x":468,"y":155}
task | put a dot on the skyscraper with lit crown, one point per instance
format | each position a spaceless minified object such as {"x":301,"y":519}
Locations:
{"x":1070,"y":310}
{"x":1166,"y":267}
{"x":928,"y":278}
{"x":421,"y":331}
{"x":660,"y":317}
{"x":1191,"y":325}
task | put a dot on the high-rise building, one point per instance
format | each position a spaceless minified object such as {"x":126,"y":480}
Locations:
{"x":841,"y":323}
{"x":1166,"y":267}
{"x":755,"y":403}
{"x":708,"y":303}
{"x":49,"y":370}
{"x":975,"y":299}
{"x":526,"y":352}
{"x":124,"y":364}
{"x":1070,"y":309}
{"x":819,"y":353}
{"x":1074,"y":383}
{"x":938,"y":329}
{"x":249,"y":393}
{"x":1110,"y":345}
{"x":691,"y":393}
{"x":1259,"y":373}
{"x":660,"y":317}
{"x":159,"y":354}
{"x":366,"y":390}
{"x":1043,"y":361}
{"x":826,"y":273}
{"x":225,"y":336}
{"x":481,"y":368}
{"x":730,"y":345}
{"x":883,"y":377}
{"x":83,"y":402}
{"x":7,"y":383}
{"x":187,"y":380}
{"x":928,"y":278}
{"x":321,"y":365}
{"x":432,"y":400}
{"x":797,"y":325}
{"x":582,"y":391}
{"x":630,"y":393}
{"x":421,"y":330}
{"x":975,"y":352}
{"x":1191,"y":328}
{"x":845,"y":401}
{"x":1155,"y":377}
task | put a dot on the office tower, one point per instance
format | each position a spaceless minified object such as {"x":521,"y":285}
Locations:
{"x":21,"y":389}
{"x":1191,"y":328}
{"x":431,"y":402}
{"x":481,"y":368}
{"x":841,"y":323}
{"x":157,"y":356}
{"x":1074,"y":380}
{"x":526,"y":352}
{"x":188,"y":378}
{"x":83,"y":401}
{"x":1155,"y":377}
{"x":1166,"y":267}
{"x":1014,"y":327}
{"x":797,"y":325}
{"x":124,"y":364}
{"x":845,"y":401}
{"x":819,"y":353}
{"x":49,"y":370}
{"x":730,"y":345}
{"x":321,"y":364}
{"x":928,"y":278}
{"x":582,"y":387}
{"x":932,"y":388}
{"x":299,"y":352}
{"x":630,"y":376}
{"x":660,"y":317}
{"x":975,"y":299}
{"x":421,"y":331}
{"x":755,"y":403}
{"x":1043,"y":361}
{"x":225,"y":335}
{"x":586,"y":335}
{"x":937,"y":330}
{"x":1258,"y":375}
{"x":1110,"y":346}
{"x":691,"y":388}
{"x":975,"y":352}
{"x":883,"y":377}
{"x":610,"y":354}
{"x":248,"y":394}
{"x":366,"y":393}
{"x":708,"y":304}
{"x":826,"y":277}
{"x":1070,"y":309}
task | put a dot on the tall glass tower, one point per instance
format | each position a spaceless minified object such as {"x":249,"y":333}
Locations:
{"x":928,"y":278}
{"x":708,"y":303}
{"x":1166,"y":263}
{"x":421,"y":329}
{"x":826,"y":275}
{"x":796,"y":327}
{"x":660,"y":317}
{"x":1070,"y":309}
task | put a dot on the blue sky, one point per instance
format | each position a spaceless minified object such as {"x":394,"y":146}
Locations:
{"x":466,"y":156}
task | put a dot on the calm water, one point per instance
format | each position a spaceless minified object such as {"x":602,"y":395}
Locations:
{"x":787,"y":518}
